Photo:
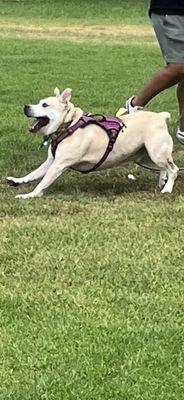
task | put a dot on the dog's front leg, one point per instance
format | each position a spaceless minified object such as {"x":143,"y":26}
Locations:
{"x":51,"y":175}
{"x":32,"y":176}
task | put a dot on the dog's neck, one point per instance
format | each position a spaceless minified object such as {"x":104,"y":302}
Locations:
{"x":72,"y":116}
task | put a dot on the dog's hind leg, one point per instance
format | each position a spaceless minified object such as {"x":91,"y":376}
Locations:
{"x":172,"y":172}
{"x":162,"y":178}
{"x":34,"y":175}
{"x":161,"y":154}
{"x":168,"y":170}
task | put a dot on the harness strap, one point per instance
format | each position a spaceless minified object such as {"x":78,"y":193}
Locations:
{"x":111,"y":125}
{"x":63,"y":135}
{"x":112,"y":139}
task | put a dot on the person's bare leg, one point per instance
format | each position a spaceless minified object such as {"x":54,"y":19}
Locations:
{"x":180,"y":96}
{"x":168,"y":76}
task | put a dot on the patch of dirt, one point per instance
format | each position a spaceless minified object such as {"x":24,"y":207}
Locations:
{"x":99,"y":33}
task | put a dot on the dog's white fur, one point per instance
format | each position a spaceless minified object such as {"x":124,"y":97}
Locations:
{"x":145,"y":136}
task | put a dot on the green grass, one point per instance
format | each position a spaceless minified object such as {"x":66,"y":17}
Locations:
{"x":91,"y":275}
{"x":59,"y":11}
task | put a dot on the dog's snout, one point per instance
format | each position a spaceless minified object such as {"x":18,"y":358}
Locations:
{"x":26,"y":110}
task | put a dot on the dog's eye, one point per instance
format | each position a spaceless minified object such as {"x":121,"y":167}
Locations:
{"x":45,"y":105}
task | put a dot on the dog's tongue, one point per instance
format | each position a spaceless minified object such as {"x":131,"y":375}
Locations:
{"x":38,"y":124}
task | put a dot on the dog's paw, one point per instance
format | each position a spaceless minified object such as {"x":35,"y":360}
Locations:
{"x":167,"y":189}
{"x":28,"y":196}
{"x":23,"y":196}
{"x":12,"y":181}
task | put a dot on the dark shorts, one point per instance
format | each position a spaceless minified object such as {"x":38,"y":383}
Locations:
{"x":169,"y":30}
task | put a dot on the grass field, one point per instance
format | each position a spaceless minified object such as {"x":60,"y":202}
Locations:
{"x":91,"y":274}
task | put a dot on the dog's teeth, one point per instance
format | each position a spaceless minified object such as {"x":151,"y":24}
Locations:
{"x":34,"y":123}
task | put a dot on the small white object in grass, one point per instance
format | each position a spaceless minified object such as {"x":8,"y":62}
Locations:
{"x":131,"y":177}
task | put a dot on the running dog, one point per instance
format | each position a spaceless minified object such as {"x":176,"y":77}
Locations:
{"x":85,"y":143}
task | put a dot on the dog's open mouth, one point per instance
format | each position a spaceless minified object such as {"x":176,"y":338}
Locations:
{"x":38,"y":123}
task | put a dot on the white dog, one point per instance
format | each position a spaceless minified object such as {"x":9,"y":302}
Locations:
{"x":143,"y":136}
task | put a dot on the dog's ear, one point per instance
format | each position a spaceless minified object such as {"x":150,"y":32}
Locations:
{"x":56,"y":92}
{"x":66,"y":96}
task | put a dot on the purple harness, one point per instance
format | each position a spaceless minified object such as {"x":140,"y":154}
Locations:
{"x":111,"y":125}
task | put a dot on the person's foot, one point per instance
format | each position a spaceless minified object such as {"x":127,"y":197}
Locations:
{"x":180,"y":136}
{"x":129,"y":106}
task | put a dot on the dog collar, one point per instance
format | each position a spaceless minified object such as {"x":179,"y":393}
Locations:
{"x":62,"y":128}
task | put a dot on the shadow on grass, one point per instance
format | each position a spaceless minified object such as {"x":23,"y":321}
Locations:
{"x":105,"y":183}
{"x":76,"y":193}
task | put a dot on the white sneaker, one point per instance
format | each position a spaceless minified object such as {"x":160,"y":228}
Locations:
{"x":180,"y":136}
{"x":130,"y":108}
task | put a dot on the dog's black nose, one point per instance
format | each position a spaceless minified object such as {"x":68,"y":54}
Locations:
{"x":26,"y":110}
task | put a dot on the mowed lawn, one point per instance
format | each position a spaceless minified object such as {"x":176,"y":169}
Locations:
{"x":91,"y":274}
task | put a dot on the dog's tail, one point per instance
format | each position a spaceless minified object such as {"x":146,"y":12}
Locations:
{"x":166,"y":115}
